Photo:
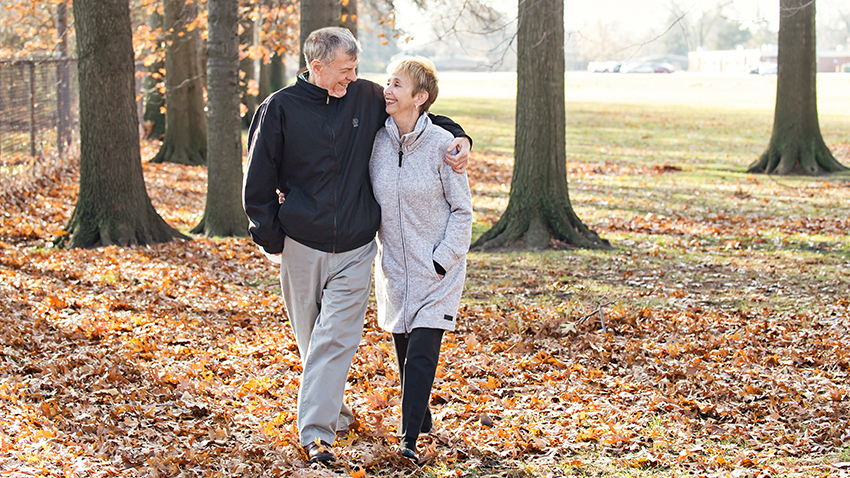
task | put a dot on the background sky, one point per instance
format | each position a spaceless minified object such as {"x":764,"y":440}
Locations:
{"x":643,"y":14}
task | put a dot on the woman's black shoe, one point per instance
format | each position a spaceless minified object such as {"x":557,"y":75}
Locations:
{"x":409,"y":454}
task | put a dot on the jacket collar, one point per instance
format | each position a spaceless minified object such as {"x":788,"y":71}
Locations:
{"x":411,"y":140}
{"x":312,"y":91}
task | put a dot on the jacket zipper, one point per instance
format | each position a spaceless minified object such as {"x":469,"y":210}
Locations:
{"x":336,"y":160}
{"x":403,"y":244}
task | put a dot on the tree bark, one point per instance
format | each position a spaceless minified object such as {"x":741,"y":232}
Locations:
{"x":247,"y":65}
{"x":185,"y":122}
{"x":348,"y":17}
{"x":63,"y":80}
{"x":539,"y":209}
{"x":277,"y":75}
{"x":273,"y":73}
{"x":796,"y":145}
{"x":154,"y":99}
{"x":317,"y":14}
{"x":264,"y":81}
{"x":113,"y":206}
{"x":223,"y":214}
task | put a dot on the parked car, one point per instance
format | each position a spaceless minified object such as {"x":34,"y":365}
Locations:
{"x":768,"y":68}
{"x":762,"y":68}
{"x":603,"y":66}
{"x":646,"y":67}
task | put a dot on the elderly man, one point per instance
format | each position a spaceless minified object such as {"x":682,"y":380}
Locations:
{"x":312,"y":141}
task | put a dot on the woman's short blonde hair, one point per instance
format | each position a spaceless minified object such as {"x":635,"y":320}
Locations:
{"x":422,"y":73}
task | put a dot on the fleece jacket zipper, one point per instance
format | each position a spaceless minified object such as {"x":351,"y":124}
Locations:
{"x":336,"y":165}
{"x":403,"y":242}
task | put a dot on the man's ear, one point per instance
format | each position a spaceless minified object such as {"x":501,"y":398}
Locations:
{"x":316,"y":66}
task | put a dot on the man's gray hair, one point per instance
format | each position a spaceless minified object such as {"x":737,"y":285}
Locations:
{"x":323,"y":44}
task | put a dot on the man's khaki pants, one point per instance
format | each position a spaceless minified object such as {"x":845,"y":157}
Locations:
{"x":326,"y":295}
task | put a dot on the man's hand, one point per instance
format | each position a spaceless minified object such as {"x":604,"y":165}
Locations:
{"x":272,"y":257}
{"x":457,"y":156}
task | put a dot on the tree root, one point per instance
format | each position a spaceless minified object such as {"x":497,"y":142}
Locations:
{"x":794,"y":159}
{"x":116,"y":232}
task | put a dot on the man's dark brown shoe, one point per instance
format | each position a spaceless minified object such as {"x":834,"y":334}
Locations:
{"x":318,"y":452}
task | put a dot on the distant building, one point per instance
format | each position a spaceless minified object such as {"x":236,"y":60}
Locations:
{"x":761,"y":60}
{"x":837,"y":60}
{"x":730,"y":61}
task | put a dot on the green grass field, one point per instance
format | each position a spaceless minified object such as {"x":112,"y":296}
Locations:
{"x":627,"y":135}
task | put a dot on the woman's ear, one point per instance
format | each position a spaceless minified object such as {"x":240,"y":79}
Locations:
{"x":420,"y":98}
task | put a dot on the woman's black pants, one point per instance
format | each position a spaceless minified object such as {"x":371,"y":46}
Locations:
{"x":418,"y":354}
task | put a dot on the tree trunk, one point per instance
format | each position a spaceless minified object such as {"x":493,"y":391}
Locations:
{"x":113,"y":206}
{"x":273,"y":73}
{"x":796,"y":145}
{"x":317,"y":14}
{"x":153,"y":117}
{"x":248,"y":67}
{"x":223,"y":214}
{"x":265,"y":80}
{"x":185,"y":122}
{"x":349,"y":16}
{"x":539,"y":209}
{"x":63,"y":80}
{"x":277,"y":75}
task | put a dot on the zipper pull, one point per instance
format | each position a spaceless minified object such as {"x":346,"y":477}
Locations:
{"x":400,"y":154}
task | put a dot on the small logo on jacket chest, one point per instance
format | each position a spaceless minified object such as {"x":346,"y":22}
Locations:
{"x":355,"y":123}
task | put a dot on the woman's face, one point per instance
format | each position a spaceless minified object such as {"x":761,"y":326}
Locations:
{"x":399,"y":95}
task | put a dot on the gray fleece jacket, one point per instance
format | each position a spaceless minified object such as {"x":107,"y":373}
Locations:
{"x":426,"y":217}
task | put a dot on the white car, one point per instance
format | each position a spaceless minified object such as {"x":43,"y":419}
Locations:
{"x":767,"y":68}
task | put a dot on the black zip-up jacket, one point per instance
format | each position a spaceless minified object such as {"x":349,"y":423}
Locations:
{"x":315,"y":149}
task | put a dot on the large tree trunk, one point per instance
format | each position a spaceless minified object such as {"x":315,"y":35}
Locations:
{"x":153,"y":117}
{"x":317,"y":14}
{"x":223,"y":214}
{"x":113,"y":206}
{"x":796,"y":145}
{"x":185,"y":122}
{"x":539,"y":208}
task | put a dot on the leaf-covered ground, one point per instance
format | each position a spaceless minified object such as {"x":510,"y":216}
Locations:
{"x":712,"y":341}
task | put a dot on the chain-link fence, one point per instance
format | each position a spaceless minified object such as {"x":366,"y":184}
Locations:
{"x":38,"y":106}
{"x":39,"y":109}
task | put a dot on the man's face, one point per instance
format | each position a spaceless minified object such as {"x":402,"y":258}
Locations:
{"x":336,"y":76}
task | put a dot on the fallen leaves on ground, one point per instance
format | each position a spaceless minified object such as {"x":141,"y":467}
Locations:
{"x":176,"y":360}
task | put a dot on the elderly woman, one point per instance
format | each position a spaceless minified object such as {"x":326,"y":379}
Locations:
{"x":426,"y":224}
